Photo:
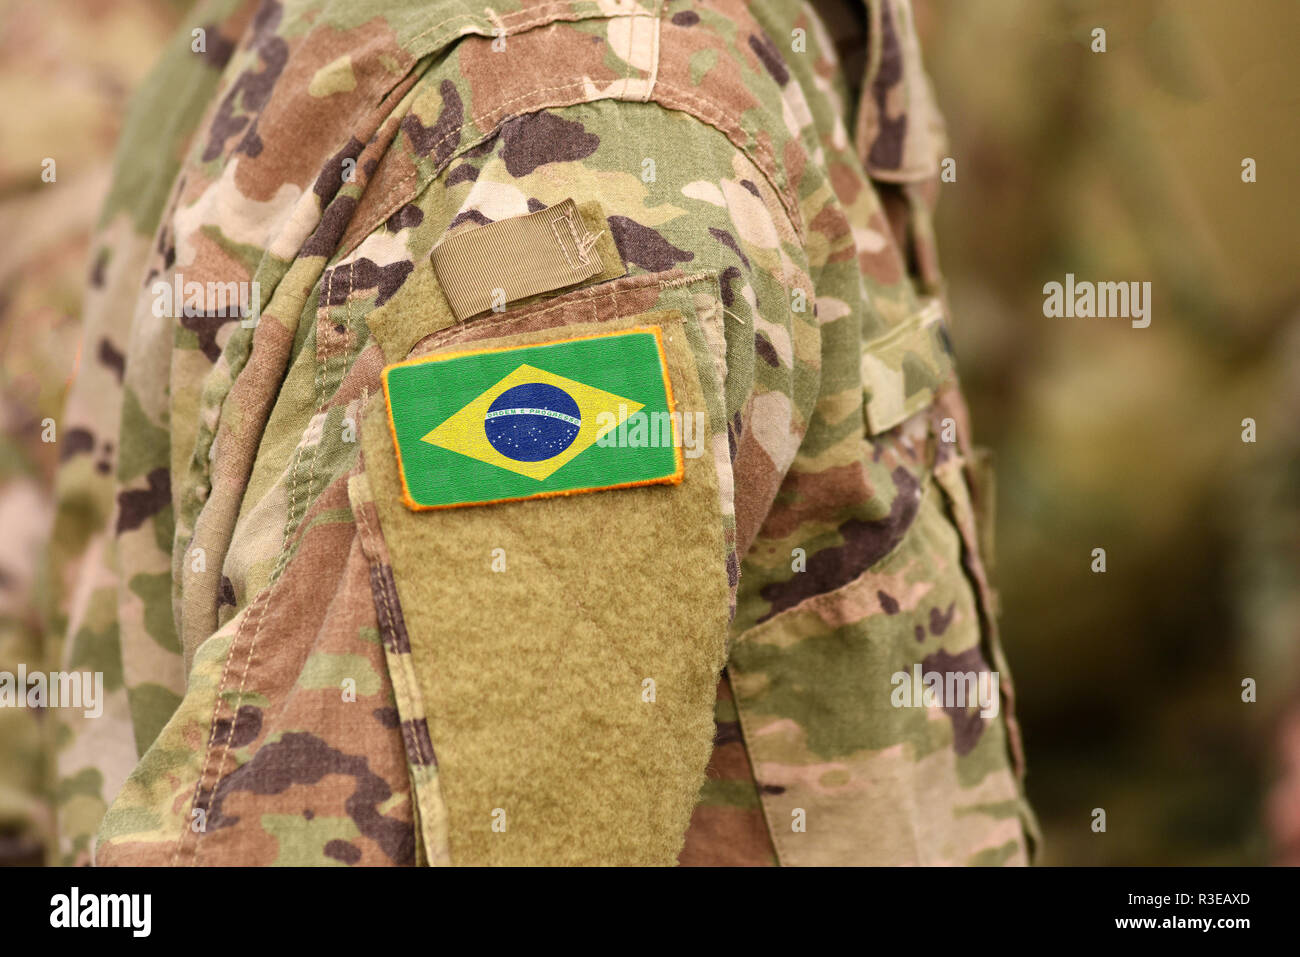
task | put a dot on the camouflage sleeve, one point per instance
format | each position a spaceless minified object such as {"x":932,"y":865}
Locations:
{"x":436,"y":553}
{"x":594,"y":626}
{"x":524,"y":641}
{"x":868,"y":676}
{"x":112,"y":450}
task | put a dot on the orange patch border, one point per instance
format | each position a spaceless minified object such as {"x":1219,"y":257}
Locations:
{"x":675,"y":478}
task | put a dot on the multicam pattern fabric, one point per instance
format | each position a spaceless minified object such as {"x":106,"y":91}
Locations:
{"x":230,"y":568}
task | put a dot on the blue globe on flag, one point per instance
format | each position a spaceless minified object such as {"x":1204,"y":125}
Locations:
{"x":532,"y":422}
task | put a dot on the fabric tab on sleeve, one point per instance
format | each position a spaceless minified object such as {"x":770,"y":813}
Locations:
{"x":512,"y":259}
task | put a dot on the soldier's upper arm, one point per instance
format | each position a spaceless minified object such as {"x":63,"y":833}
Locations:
{"x":540,"y":366}
{"x":441,"y":565}
{"x":548,"y":480}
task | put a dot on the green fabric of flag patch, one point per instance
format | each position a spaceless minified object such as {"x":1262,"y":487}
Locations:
{"x":557,"y":418}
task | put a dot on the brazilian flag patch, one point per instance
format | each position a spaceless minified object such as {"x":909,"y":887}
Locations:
{"x":504,"y":424}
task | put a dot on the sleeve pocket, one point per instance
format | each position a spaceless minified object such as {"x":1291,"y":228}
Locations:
{"x":562,"y":652}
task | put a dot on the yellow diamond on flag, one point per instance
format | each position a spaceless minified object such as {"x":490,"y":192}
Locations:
{"x":532,"y":422}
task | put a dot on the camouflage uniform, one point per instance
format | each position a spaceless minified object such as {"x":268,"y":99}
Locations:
{"x":305,"y":671}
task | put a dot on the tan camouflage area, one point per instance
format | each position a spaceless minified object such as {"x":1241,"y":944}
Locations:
{"x":67,"y":91}
{"x":243,"y":573}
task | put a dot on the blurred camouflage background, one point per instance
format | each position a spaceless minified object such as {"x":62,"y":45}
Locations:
{"x":1115,"y":166}
{"x":1127,"y":165}
{"x":67,"y":69}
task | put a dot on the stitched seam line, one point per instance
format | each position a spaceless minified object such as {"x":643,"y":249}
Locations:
{"x":526,"y":19}
{"x":391,"y":616}
{"x":276,"y":578}
{"x":692,"y":96}
{"x":479,"y":119}
{"x":747,"y":738}
{"x":207,"y":756}
{"x":654,"y":51}
{"x":429,"y":803}
{"x":402,"y":190}
{"x":631,"y":44}
{"x":589,"y":299}
{"x":489,"y":121}
{"x":577,"y":241}
{"x":766,"y":162}
{"x":559,"y":241}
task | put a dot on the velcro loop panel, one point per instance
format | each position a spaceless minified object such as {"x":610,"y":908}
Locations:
{"x":534,"y":673}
